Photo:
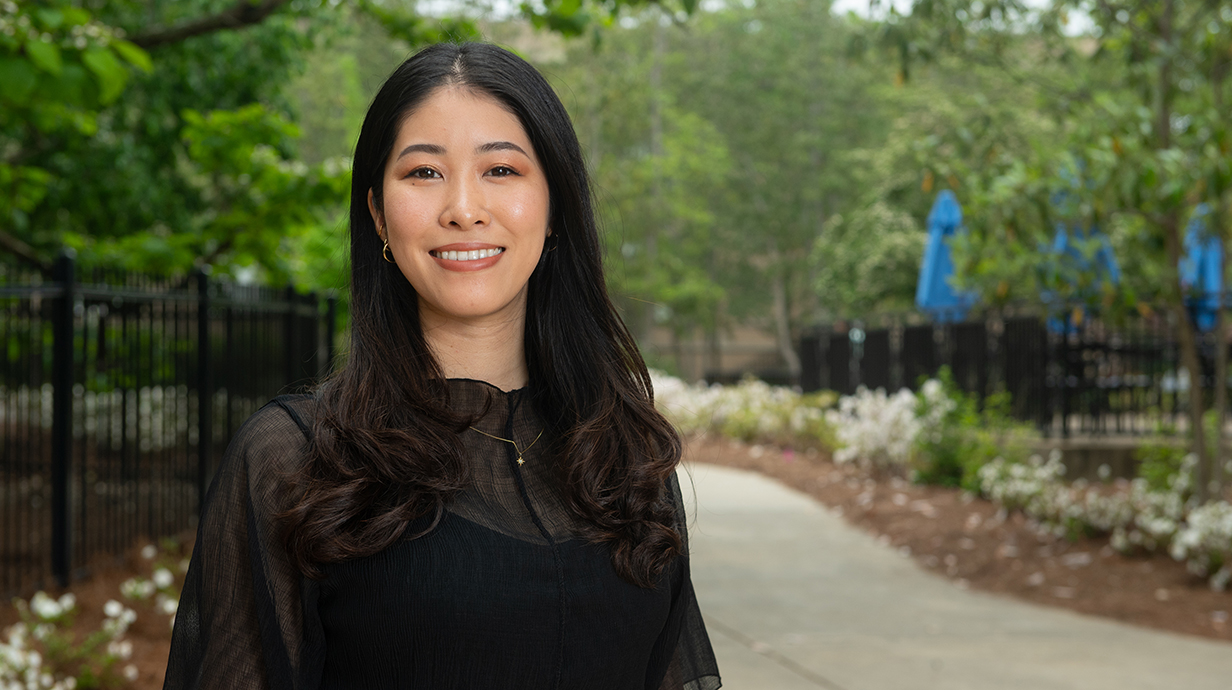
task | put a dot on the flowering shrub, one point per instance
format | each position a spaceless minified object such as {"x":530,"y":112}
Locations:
{"x":1147,"y":515}
{"x":162,"y":588}
{"x":1205,"y":543}
{"x":944,"y":437}
{"x":959,"y":436}
{"x":751,"y":411}
{"x":876,"y":429}
{"x":41,"y":652}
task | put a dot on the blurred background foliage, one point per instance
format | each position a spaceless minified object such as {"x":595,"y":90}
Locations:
{"x":766,"y":163}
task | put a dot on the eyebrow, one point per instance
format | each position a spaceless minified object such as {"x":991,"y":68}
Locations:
{"x":436,"y":150}
{"x":423,"y":148}
{"x":501,"y":146}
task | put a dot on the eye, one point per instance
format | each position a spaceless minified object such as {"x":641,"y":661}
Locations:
{"x":502,"y":171}
{"x":423,"y":173}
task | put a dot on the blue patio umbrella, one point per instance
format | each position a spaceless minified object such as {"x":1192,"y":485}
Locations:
{"x":934,"y":294}
{"x":1201,"y":270}
{"x":1066,"y":246}
{"x":1071,"y":253}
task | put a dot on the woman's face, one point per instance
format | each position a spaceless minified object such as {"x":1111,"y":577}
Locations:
{"x":465,"y":208}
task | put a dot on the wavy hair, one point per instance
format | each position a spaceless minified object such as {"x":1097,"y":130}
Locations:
{"x":385,"y":448}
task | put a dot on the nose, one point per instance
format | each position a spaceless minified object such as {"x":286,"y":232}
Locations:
{"x":465,"y":206}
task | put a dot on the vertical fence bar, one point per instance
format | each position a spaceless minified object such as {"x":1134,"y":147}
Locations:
{"x":205,"y":397}
{"x":289,"y":341}
{"x":331,"y":329}
{"x":64,"y":273}
{"x":810,"y":362}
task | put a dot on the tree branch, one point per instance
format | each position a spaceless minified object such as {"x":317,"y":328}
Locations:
{"x":242,"y":13}
{"x":24,"y":252}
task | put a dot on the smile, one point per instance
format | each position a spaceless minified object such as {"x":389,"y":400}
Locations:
{"x":472,"y":255}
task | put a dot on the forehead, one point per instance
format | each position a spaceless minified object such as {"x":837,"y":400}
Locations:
{"x":460,"y":114}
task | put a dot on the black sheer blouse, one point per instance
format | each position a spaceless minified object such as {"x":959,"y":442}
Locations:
{"x":500,"y":594}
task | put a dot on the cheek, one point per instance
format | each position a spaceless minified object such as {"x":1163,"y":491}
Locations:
{"x":406,"y":218}
{"x":530,"y":209}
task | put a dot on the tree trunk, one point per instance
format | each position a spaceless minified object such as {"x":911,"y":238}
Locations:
{"x":782,"y":322}
{"x":1189,"y":355}
{"x":1171,"y":222}
{"x":1217,"y":469}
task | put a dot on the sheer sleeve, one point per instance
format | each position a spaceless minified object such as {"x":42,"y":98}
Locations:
{"x":241,"y":622}
{"x":692,"y":665}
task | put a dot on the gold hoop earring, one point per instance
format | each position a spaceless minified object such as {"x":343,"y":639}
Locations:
{"x":385,"y":252}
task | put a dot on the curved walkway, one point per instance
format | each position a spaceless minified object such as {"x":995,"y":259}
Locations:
{"x":796,"y":599}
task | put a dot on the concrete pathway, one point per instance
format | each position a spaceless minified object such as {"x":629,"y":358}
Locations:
{"x":795,"y":599}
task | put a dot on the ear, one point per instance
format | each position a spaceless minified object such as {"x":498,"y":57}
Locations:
{"x":377,"y":217}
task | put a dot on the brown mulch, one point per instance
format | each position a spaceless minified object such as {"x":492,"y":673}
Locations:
{"x":966,"y":539}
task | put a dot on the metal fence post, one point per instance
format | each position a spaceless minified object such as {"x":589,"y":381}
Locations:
{"x":289,"y":340}
{"x":810,"y":362}
{"x":205,"y":386}
{"x":310,"y":336}
{"x":64,"y":273}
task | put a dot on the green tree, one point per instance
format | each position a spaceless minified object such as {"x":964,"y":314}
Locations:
{"x":656,"y":169}
{"x":775,"y":80}
{"x":159,"y":135}
{"x":867,"y":261}
{"x":1143,"y":127}
{"x":775,"y":110}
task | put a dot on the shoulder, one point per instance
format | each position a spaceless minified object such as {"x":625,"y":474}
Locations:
{"x":271,"y":445}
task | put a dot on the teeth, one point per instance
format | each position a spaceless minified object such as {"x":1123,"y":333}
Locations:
{"x":470,"y":255}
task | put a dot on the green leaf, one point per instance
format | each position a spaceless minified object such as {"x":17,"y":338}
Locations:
{"x":71,"y":90}
{"x":45,"y":56}
{"x":75,"y":16}
{"x":51,"y":19}
{"x":107,"y":70}
{"x":133,"y":55}
{"x":19,"y":80}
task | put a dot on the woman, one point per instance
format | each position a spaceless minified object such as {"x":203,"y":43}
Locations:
{"x":484,"y":496}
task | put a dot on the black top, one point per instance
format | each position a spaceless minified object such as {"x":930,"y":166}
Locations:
{"x":502,"y":593}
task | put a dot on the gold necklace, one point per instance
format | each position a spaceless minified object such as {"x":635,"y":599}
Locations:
{"x":511,"y":442}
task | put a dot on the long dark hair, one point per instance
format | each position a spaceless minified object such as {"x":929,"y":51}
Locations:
{"x":385,"y":448}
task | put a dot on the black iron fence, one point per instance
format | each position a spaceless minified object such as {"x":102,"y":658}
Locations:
{"x":1086,"y":378}
{"x":118,"y":394}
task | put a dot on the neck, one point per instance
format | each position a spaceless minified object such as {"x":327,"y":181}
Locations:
{"x":487,"y":349}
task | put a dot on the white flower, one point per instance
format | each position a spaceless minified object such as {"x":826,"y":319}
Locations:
{"x":45,"y":607}
{"x":113,"y":608}
{"x":168,"y":605}
{"x":149,"y":551}
{"x":122,"y":649}
{"x":130,"y":672}
{"x":137,"y":588}
{"x":163,"y":578}
{"x":875,"y":428}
